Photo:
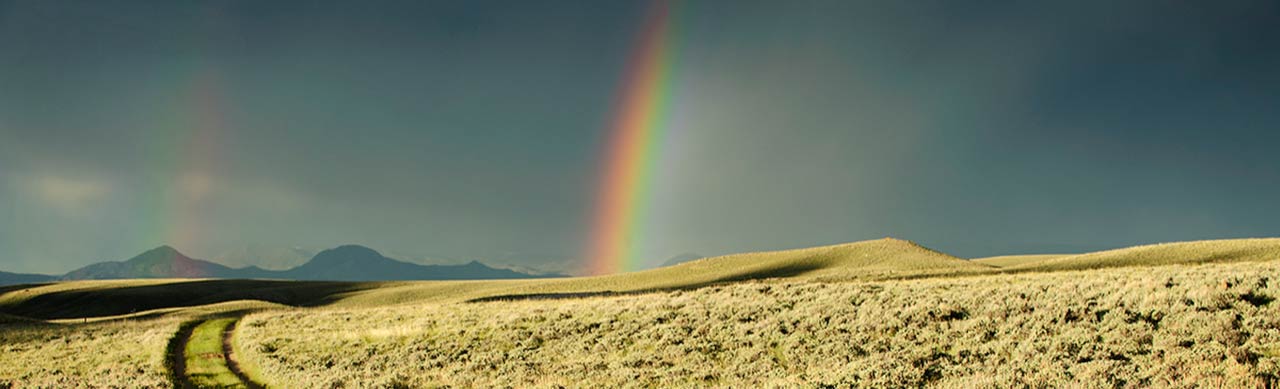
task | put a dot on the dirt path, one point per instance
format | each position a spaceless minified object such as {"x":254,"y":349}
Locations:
{"x":230,"y":358}
{"x":217,"y":369}
{"x":175,"y":356}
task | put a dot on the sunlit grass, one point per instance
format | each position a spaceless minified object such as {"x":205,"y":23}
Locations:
{"x":1205,"y":251}
{"x":1212,"y":325}
{"x":1004,"y":261}
{"x":884,"y":312}
{"x":206,"y":363}
{"x":126,"y":354}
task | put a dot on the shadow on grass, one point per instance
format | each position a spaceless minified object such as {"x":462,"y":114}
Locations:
{"x":9,"y":288}
{"x":788,"y":270}
{"x":130,"y":299}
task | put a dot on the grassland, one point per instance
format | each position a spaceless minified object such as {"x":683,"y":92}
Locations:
{"x":123,"y":354}
{"x":875,"y":313}
{"x":868,"y":260}
{"x":1206,"y":251}
{"x":1005,"y":261}
{"x":1178,"y":325}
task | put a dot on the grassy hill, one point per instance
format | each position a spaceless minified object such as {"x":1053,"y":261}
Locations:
{"x":1205,"y":251}
{"x":1004,"y":261}
{"x":123,"y":297}
{"x":867,"y":260}
{"x":852,"y":303}
{"x":1210,"y":325}
{"x":873,"y":259}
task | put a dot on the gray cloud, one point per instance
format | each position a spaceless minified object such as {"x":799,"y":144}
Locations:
{"x":471,"y":130}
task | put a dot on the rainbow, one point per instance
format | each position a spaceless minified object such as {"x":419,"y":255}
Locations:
{"x":184,"y":155}
{"x":632,"y":149}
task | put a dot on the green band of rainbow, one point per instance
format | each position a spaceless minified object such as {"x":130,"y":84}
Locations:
{"x":184,"y":152}
{"x":633,"y":148}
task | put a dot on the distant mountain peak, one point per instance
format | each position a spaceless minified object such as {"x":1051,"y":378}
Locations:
{"x":160,"y":254}
{"x":352,"y":249}
{"x":346,"y":255}
{"x":160,"y":262}
{"x":162,"y":250}
{"x":359,"y":263}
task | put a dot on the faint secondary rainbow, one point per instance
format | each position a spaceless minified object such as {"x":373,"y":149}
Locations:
{"x":184,"y":155}
{"x":632,"y":152}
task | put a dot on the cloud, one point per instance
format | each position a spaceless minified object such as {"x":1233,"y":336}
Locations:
{"x":66,"y":194}
{"x":195,"y":186}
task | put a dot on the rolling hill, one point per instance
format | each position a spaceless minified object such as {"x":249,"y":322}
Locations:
{"x":1204,"y":251}
{"x":879,"y":287}
{"x":1004,"y":261}
{"x":679,"y":259}
{"x":7,"y":278}
{"x":859,"y":261}
{"x":866,"y":260}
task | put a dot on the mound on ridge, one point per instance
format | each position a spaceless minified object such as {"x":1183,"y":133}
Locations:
{"x":1204,"y":251}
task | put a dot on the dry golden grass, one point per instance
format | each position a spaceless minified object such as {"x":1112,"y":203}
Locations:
{"x":121,"y":354}
{"x":1205,"y":251}
{"x":1211,"y":325}
{"x":1004,"y":261}
{"x":878,"y":313}
{"x":867,"y":260}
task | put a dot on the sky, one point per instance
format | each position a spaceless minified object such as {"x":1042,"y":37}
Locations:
{"x":460,"y":130}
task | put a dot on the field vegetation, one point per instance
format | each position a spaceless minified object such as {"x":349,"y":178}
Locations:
{"x":120,"y":354}
{"x":1181,"y":325}
{"x":1205,"y":251}
{"x":1005,"y":261}
{"x":876,"y":313}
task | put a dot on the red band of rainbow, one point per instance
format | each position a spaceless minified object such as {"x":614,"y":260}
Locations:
{"x":633,"y":148}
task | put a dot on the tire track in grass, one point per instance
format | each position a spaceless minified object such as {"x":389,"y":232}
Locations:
{"x":200,"y":356}
{"x":174,"y":355}
{"x":232,"y":364}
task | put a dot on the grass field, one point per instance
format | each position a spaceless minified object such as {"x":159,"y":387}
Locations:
{"x":123,"y":354}
{"x":874,"y":313}
{"x":1207,"y":251}
{"x":1212,"y":325}
{"x":1005,"y":261}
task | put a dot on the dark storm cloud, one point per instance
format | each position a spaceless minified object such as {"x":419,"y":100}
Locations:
{"x":472,"y":129}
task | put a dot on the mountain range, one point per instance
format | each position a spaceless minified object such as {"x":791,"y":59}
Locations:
{"x":7,"y":278}
{"x":265,"y":256}
{"x":344,"y":263}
